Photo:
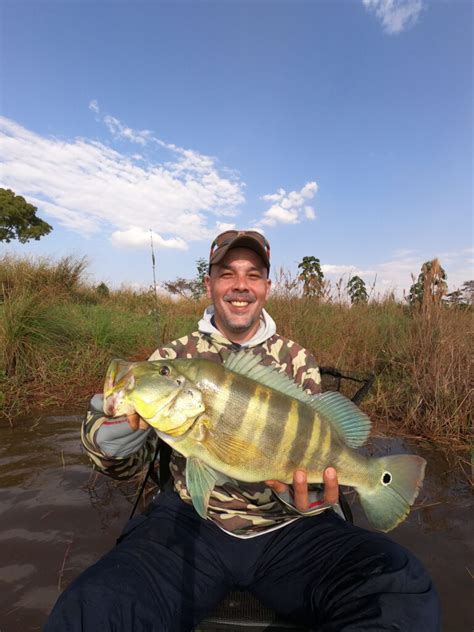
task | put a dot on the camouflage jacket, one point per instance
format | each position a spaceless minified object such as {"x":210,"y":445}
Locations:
{"x":244,"y":510}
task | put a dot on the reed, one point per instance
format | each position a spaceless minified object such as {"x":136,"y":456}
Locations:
{"x":58,"y":334}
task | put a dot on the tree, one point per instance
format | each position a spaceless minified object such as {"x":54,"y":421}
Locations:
{"x":199,"y":287}
{"x":18,"y":219}
{"x":431,"y":286}
{"x":357,"y":290}
{"x":190,"y":288}
{"x":311,"y":276}
{"x":102,"y":290}
{"x":463,"y":296}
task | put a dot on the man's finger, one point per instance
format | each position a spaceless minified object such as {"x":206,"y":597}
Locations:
{"x":300,"y":489}
{"x":331,"y":486}
{"x":278,"y":486}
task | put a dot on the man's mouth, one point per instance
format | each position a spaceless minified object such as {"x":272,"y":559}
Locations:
{"x":239,"y":303}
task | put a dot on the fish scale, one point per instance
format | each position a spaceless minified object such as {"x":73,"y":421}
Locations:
{"x":243,"y":421}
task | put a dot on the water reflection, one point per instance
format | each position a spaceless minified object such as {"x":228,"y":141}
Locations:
{"x":57,"y":517}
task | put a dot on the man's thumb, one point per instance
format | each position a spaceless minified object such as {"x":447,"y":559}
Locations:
{"x":134,"y":421}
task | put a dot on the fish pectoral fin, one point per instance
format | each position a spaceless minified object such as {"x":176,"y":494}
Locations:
{"x":200,"y":481}
{"x":233,"y":451}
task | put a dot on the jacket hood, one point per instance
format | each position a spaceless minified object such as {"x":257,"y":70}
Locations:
{"x":266,"y":330}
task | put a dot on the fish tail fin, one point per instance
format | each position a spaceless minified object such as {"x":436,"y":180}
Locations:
{"x":399,"y":480}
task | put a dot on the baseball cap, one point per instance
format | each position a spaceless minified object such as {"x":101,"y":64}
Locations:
{"x":240,"y":239}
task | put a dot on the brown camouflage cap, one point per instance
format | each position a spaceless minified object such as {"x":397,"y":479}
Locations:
{"x":240,"y":239}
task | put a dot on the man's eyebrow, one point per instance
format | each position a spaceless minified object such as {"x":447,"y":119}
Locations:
{"x":226,"y":266}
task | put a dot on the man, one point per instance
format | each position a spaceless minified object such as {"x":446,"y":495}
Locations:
{"x":172,"y":567}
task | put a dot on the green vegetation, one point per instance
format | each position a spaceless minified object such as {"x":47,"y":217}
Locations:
{"x":190,"y":288}
{"x":312,"y":277}
{"x":431,"y":283}
{"x":58,"y":333}
{"x":357,"y":290}
{"x":18,"y":219}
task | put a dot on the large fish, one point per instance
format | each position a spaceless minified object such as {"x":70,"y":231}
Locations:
{"x":247,"y":422}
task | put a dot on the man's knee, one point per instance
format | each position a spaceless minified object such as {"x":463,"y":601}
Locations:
{"x":377,"y":583}
{"x":105,"y":597}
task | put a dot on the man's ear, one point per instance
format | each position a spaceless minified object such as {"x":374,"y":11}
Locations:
{"x":207,"y":283}
{"x":269,"y":287}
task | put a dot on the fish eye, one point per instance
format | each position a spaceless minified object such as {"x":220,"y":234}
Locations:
{"x":164,"y":370}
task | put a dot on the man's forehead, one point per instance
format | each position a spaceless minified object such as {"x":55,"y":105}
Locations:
{"x":236,"y":256}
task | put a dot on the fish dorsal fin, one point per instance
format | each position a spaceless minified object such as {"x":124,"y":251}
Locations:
{"x":250,"y":366}
{"x":350,"y":422}
{"x":352,"y":425}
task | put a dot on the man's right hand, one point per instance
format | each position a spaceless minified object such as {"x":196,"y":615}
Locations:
{"x":136,"y":422}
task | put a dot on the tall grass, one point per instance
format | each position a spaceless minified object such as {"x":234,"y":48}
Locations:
{"x":57,"y":335}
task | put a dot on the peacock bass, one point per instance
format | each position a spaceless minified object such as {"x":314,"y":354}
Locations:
{"x":248,"y":422}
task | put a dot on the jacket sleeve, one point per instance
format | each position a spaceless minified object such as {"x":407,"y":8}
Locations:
{"x":113,"y":447}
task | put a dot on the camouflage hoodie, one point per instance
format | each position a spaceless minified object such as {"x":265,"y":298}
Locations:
{"x":245,"y":510}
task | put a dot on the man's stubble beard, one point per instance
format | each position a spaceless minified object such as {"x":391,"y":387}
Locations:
{"x":241,"y":327}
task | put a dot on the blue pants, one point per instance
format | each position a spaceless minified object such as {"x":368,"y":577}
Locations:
{"x":171,"y":568}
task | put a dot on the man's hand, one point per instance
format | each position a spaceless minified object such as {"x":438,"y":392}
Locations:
{"x":136,"y":422}
{"x":300,"y":488}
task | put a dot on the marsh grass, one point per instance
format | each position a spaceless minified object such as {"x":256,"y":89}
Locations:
{"x":58,"y":334}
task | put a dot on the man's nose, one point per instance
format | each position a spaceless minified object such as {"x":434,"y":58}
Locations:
{"x":240,"y":283}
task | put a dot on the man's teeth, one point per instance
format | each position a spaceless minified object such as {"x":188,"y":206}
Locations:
{"x":239,"y":303}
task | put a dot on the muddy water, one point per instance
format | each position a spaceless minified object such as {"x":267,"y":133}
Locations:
{"x":56,"y":519}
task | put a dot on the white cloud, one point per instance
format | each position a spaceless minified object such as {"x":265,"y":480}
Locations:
{"x":289,"y":208}
{"x":94,"y":106}
{"x":137,"y":237}
{"x":396,"y":273}
{"x":309,"y":212}
{"x":345,"y":269}
{"x":89,"y":187}
{"x":118,"y":130}
{"x":395,"y":15}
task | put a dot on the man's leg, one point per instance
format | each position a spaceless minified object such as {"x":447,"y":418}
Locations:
{"x":336,"y":577}
{"x":165,"y":575}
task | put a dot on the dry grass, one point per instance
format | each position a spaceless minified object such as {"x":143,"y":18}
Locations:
{"x":56,"y":341}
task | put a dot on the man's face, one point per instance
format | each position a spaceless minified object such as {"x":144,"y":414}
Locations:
{"x":238,"y":287}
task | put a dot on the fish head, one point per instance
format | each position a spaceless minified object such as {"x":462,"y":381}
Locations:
{"x":157,"y":391}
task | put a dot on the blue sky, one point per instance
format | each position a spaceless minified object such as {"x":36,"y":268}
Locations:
{"x":342,"y":130}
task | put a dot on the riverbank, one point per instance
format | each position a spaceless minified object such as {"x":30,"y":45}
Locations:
{"x":58,"y":334}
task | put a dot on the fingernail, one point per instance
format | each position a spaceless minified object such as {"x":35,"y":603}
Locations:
{"x":300,"y":477}
{"x":331,"y":472}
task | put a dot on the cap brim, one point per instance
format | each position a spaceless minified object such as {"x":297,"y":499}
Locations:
{"x":242,"y":241}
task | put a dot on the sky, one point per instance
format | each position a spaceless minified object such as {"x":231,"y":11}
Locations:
{"x":341,"y":129}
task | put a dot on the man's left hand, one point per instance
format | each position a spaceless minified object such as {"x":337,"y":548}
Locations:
{"x":300,"y":488}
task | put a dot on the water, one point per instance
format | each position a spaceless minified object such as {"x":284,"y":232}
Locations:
{"x":57,"y":517}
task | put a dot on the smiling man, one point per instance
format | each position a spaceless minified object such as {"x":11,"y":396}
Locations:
{"x":238,"y":286}
{"x":289,"y":547}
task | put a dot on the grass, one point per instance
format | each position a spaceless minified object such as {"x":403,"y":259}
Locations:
{"x":58,"y":334}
